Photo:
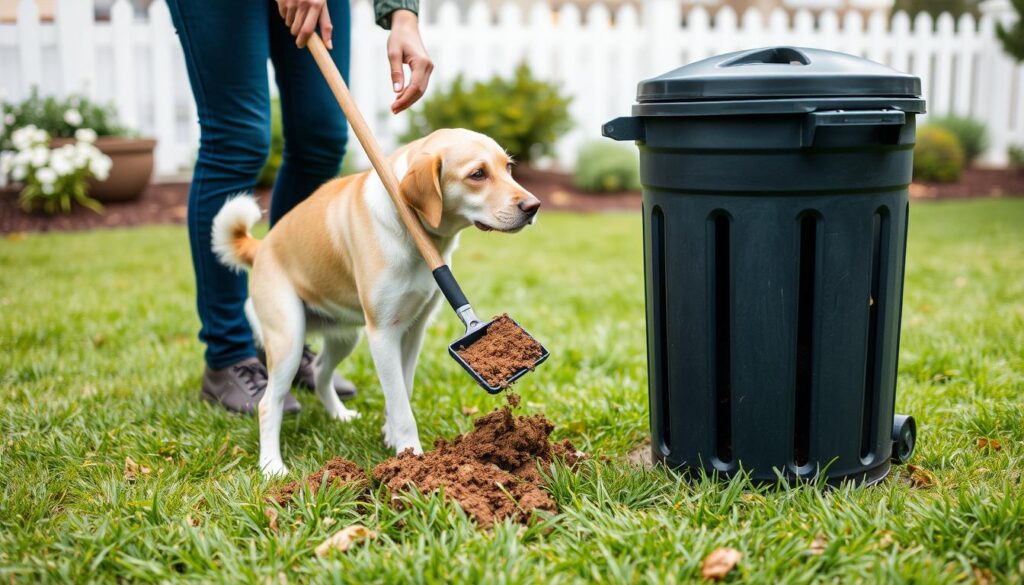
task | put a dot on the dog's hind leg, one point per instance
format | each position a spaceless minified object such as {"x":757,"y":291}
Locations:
{"x":284,"y":325}
{"x":337,"y":346}
{"x":254,"y":322}
{"x":400,"y":430}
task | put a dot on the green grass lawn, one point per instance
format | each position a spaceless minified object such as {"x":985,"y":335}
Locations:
{"x":99,"y":362}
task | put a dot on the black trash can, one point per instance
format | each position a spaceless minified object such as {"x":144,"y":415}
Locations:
{"x":775,"y":226}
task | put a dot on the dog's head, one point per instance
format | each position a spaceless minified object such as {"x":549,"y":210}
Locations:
{"x":457,"y":178}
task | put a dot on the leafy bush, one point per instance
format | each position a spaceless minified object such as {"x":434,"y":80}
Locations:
{"x":269,"y":173}
{"x":1016,"y":154}
{"x":523,"y":114}
{"x":972,"y":134}
{"x":59,"y":118}
{"x":1012,"y":36}
{"x":603,"y":166}
{"x":938,"y":155}
{"x":53,"y":179}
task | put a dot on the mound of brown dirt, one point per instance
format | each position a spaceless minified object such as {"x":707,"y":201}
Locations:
{"x":502,"y":351}
{"x":490,"y":471}
{"x":339,"y":471}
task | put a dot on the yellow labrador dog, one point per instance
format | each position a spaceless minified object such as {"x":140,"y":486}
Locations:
{"x":342,"y":261}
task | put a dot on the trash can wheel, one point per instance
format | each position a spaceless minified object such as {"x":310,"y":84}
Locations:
{"x":904,"y":437}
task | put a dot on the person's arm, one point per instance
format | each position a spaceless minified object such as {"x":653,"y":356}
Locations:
{"x":404,"y":47}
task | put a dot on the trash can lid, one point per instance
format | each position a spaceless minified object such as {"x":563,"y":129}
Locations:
{"x":778,"y":72}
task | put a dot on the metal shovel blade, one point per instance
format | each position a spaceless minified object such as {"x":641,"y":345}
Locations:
{"x":474,"y":332}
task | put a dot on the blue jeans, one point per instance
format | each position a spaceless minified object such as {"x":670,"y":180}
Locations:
{"x":226,"y":45}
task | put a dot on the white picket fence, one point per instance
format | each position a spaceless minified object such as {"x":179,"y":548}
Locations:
{"x":596,"y":57}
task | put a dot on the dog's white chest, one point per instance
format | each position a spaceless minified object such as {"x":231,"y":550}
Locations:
{"x":403,"y":293}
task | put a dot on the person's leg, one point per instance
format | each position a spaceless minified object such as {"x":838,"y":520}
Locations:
{"x":226,"y":48}
{"x":315,"y":132}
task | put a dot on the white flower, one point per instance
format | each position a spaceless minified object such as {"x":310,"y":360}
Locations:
{"x":23,"y":137}
{"x":85,"y":135}
{"x":99,"y":166}
{"x":9,"y":119}
{"x":61,"y":162}
{"x":39,"y":156}
{"x":48,"y":188}
{"x":18,"y":172}
{"x":73,"y":117}
{"x":46,"y":176}
{"x":6,"y":162}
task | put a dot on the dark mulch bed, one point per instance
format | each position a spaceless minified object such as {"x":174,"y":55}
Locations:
{"x":165,"y":203}
{"x":974,"y":183}
{"x":556,"y":191}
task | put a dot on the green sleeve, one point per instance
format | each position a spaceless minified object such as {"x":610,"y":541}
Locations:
{"x":382,"y":10}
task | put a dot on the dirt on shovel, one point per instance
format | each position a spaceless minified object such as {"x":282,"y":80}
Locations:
{"x":503,"y":350}
{"x":490,"y":471}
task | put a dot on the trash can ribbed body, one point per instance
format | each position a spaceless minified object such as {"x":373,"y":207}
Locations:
{"x":774,"y":244}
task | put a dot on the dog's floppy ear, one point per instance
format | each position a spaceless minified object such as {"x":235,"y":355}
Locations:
{"x":421,"y":187}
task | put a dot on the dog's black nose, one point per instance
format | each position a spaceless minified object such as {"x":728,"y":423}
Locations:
{"x":530,"y":206}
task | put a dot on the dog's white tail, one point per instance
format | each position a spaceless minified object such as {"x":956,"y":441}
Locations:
{"x":232,"y":242}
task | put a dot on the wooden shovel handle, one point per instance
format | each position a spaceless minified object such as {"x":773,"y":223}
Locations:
{"x":373,"y":151}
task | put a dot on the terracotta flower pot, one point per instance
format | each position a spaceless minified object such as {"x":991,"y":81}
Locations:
{"x":130,"y":172}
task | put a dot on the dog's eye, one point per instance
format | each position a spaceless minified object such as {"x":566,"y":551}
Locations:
{"x":478,"y":175}
{"x":508,"y":167}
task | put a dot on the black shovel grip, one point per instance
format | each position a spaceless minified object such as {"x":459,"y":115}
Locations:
{"x":450,"y":287}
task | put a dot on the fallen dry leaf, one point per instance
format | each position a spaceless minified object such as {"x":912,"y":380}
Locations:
{"x":718,"y":564}
{"x":470,"y":410}
{"x":818,"y":545}
{"x":133,"y":470}
{"x":193,"y":522}
{"x":640,"y":455}
{"x":328,"y":521}
{"x":986,"y":443}
{"x":983,"y":576}
{"x":886,"y":540}
{"x":343,"y":539}
{"x":921,"y":477}
{"x":237,"y":450}
{"x":271,"y":514}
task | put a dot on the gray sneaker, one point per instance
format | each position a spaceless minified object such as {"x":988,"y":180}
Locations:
{"x":305,"y":378}
{"x":239,"y":387}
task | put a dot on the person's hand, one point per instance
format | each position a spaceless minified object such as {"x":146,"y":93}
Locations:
{"x":406,"y":47}
{"x":302,"y":17}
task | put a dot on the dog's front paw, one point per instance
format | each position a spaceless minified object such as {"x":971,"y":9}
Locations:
{"x":273,"y":469}
{"x":417,"y":449}
{"x":345,"y":415}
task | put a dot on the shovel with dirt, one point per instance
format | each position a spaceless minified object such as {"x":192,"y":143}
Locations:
{"x":495,"y":353}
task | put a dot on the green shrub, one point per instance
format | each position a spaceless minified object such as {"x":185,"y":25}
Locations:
{"x":972,"y":134}
{"x":603,"y":166}
{"x":1016,"y":154}
{"x":523,"y":114}
{"x":269,"y":173}
{"x":938,"y":155}
{"x":59,"y":118}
